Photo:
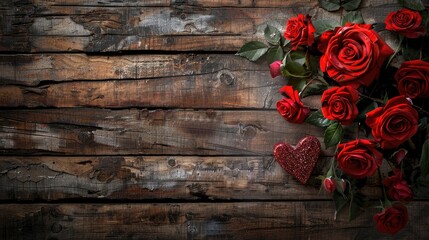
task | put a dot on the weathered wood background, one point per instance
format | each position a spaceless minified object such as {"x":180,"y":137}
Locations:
{"x":134,"y":120}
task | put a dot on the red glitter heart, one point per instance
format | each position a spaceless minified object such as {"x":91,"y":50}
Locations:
{"x":298,"y":161}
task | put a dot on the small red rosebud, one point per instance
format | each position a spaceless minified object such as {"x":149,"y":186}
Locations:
{"x":329,"y":185}
{"x":275,"y":68}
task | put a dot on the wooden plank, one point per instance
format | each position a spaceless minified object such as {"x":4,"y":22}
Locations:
{"x":218,"y":90}
{"x":157,"y":3}
{"x":155,"y":177}
{"x":118,"y":132}
{"x":32,"y":69}
{"x":109,"y":29}
{"x":150,"y":177}
{"x":257,"y":220}
{"x":205,"y":3}
{"x":184,"y":81}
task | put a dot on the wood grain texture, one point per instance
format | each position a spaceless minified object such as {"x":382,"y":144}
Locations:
{"x":154,"y":177}
{"x":200,"y":3}
{"x":33,"y":28}
{"x":184,"y":81}
{"x":117,"y":132}
{"x":176,"y":3}
{"x":33,"y":69}
{"x":257,"y":220}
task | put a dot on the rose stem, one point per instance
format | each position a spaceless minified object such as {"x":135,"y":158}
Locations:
{"x":401,"y":39}
{"x":420,"y":109}
{"x":386,"y":201}
{"x":373,"y":99}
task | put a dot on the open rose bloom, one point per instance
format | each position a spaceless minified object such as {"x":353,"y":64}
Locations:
{"x":374,"y":104}
{"x":354,"y":55}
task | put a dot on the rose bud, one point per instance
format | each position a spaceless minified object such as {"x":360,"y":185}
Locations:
{"x":275,"y":68}
{"x":392,"y":219}
{"x":329,"y":185}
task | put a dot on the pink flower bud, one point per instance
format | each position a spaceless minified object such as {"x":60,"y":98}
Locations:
{"x":329,"y":184}
{"x":275,"y":68}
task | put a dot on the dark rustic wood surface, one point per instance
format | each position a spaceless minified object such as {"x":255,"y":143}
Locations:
{"x":134,"y":120}
{"x":249,"y":220}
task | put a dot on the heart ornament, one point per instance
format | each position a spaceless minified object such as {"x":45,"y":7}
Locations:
{"x":298,"y":161}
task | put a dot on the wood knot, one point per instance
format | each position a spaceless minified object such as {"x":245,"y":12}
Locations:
{"x":226,"y":77}
{"x":85,"y":137}
{"x":169,"y":40}
{"x":247,"y":131}
{"x":198,"y":190}
{"x":56,"y":228}
{"x":171,"y":162}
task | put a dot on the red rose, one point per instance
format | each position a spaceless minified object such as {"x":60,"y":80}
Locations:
{"x":339,"y":104}
{"x":405,"y":22}
{"x":397,"y":187}
{"x":275,"y":68}
{"x":392,"y":219}
{"x":329,"y":185}
{"x":394,"y":123}
{"x":413,"y":79}
{"x":359,"y":158}
{"x":300,"y":31}
{"x":355,"y":55}
{"x":324,"y":40}
{"x":291,"y":108}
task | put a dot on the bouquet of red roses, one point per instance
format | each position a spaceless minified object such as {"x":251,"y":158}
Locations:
{"x":368,"y":88}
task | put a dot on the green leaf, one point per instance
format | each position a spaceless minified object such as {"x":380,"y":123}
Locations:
{"x":323,"y":25}
{"x":297,"y":83}
{"x":378,"y":27}
{"x":274,"y":54}
{"x":424,"y":158}
{"x":272,"y":35}
{"x":339,"y":200}
{"x":333,"y":134}
{"x":357,"y":204}
{"x":421,"y":187}
{"x":423,"y":123}
{"x":352,"y":17}
{"x":350,"y":5}
{"x":370,"y":107}
{"x":411,"y":51}
{"x":298,"y":56}
{"x":316,"y":118}
{"x":330,"y":5}
{"x":284,"y":41}
{"x":314,"y":65}
{"x":416,"y":5}
{"x":253,"y":50}
{"x":294,"y":70}
{"x":313,"y":88}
